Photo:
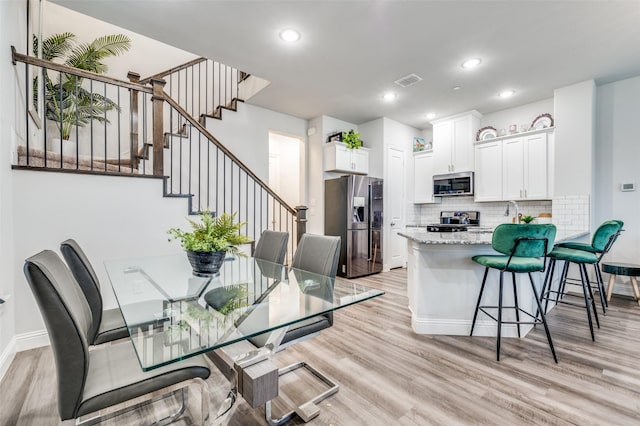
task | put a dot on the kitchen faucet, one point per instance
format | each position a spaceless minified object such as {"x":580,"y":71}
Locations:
{"x":506,"y":213}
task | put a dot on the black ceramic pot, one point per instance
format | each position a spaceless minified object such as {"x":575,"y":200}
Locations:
{"x":206,"y":262}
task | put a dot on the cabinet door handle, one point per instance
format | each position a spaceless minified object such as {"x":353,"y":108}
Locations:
{"x":525,"y":193}
{"x":521,"y":193}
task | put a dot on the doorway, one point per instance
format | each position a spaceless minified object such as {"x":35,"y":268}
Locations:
{"x":285,"y":172}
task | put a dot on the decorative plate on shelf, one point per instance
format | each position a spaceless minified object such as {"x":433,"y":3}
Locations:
{"x":486,"y":133}
{"x":542,"y":122}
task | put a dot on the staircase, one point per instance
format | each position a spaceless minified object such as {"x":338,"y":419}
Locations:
{"x":158,"y":130}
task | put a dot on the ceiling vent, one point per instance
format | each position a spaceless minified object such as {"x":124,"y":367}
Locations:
{"x":408,"y":80}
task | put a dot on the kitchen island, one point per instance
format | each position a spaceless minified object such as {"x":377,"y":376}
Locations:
{"x":443,"y":283}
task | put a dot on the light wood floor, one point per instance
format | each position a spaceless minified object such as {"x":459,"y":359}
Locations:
{"x":390,"y":376}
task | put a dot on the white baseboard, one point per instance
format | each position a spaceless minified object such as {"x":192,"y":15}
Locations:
{"x":31,"y":340}
{"x":454,"y":327}
{"x":7,"y":357}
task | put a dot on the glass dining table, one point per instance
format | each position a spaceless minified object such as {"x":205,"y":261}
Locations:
{"x":172,"y":313}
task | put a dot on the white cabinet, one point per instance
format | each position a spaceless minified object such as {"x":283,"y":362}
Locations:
{"x":423,"y":177}
{"x":339,"y":158}
{"x":453,"y":139}
{"x":488,"y":175}
{"x":525,"y":167}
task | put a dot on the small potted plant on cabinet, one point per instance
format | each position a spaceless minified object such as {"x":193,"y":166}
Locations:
{"x":210,"y":240}
{"x":351,"y":139}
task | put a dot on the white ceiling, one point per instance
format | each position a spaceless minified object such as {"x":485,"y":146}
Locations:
{"x":351,"y":52}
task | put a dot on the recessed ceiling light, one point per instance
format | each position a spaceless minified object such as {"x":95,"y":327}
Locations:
{"x":431,"y":115}
{"x":507,"y":94}
{"x":389,"y":96}
{"x":457,"y":87}
{"x":289,"y":35}
{"x":471,"y":63}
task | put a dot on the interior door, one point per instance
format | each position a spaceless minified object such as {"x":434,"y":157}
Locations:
{"x":395,"y":196}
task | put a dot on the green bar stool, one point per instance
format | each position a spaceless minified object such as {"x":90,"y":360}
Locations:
{"x":523,"y":249}
{"x":626,"y":269}
{"x":601,"y":243}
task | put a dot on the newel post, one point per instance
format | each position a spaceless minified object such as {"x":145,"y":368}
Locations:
{"x":158,"y":126}
{"x":135,"y":148}
{"x":301,"y":220}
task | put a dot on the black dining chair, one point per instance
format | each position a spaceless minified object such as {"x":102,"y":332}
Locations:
{"x":109,"y":377}
{"x":107,"y":325}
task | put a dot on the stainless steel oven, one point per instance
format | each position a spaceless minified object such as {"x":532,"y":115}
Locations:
{"x":453,"y":184}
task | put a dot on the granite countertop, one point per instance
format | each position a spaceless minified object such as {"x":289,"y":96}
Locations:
{"x":477,"y":237}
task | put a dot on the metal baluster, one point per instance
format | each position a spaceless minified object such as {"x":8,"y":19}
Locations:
{"x":217,"y":179}
{"x":208,"y":175}
{"x":184,"y":127}
{"x":170,"y":139}
{"x":105,"y":129}
{"x":144,"y":133}
{"x":91,"y":124}
{"x":231,"y":186}
{"x":44,"y":86}
{"x":60,"y":106}
{"x":77,"y":129}
{"x":199,"y":171}
{"x":179,"y":153}
{"x":224,"y":183}
{"x":119,"y":114}
{"x":206,"y":91}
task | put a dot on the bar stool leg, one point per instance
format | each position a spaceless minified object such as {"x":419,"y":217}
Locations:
{"x":593,"y":300}
{"x":475,"y":314}
{"x":634,"y":284}
{"x":499,"y":316}
{"x":601,"y":290}
{"x":544,"y":319}
{"x":515,"y":299}
{"x":563,"y":281}
{"x":586,"y":303}
{"x":612,"y":280}
{"x":548,"y":282}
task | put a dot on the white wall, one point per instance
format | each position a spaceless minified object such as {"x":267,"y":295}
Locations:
{"x":287,"y":151}
{"x":617,"y":160}
{"x":12,"y":32}
{"x":110,"y":217}
{"x":574,"y":118}
{"x":146,"y":56}
{"x":324,"y":126}
{"x":245,"y":133}
{"x":521,"y":116}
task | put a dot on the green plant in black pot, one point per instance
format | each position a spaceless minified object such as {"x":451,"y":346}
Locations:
{"x":351,"y":139}
{"x":209,"y":241}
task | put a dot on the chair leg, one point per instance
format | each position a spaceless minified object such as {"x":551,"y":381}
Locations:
{"x":603,"y":299}
{"x":563,"y":281}
{"x":515,"y":299}
{"x":499,"y":316}
{"x":593,"y":300}
{"x":585,"y":284}
{"x":548,"y":281}
{"x":544,"y":319}
{"x":475,"y":314}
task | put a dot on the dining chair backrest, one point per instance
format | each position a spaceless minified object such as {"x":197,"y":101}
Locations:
{"x":68,"y":319}
{"x":318,"y":254}
{"x":272,"y":246}
{"x":86,"y":277}
{"x":605,"y":235}
{"x":506,"y":235}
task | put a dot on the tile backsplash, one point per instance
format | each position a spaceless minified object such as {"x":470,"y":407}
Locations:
{"x":570,"y":213}
{"x":491,"y":213}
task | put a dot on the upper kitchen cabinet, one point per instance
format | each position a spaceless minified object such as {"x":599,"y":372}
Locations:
{"x":453,"y":139}
{"x":488,"y":175}
{"x":525,"y":167}
{"x":423,"y":177}
{"x":339,"y":158}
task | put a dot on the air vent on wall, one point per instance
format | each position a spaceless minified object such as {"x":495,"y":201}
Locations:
{"x":408,"y":80}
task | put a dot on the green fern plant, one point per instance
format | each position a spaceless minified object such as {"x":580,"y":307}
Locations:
{"x":67,"y":103}
{"x":211,"y":234}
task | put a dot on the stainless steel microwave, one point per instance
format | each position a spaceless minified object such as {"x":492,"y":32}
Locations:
{"x":453,"y":184}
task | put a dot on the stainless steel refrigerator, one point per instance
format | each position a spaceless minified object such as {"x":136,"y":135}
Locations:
{"x":353,"y":211}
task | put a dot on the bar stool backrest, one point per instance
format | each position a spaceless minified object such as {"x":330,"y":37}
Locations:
{"x":606,"y":234}
{"x":535,"y":240}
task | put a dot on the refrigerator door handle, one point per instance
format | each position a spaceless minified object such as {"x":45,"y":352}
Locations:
{"x":369,"y":222}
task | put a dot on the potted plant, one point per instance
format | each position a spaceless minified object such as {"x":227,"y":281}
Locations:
{"x":351,"y":139}
{"x":66,"y":102}
{"x":209,"y":241}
